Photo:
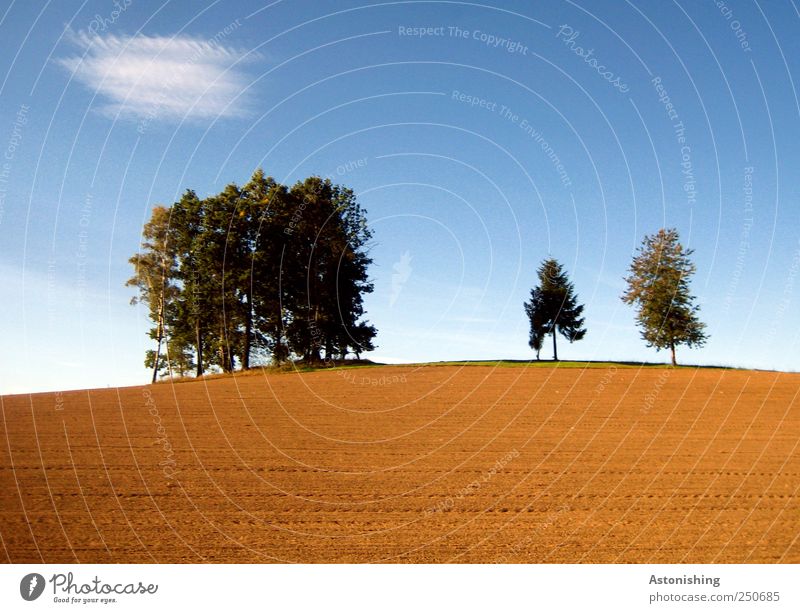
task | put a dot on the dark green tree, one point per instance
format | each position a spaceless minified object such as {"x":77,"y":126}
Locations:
{"x":306,"y":267}
{"x":553,"y":308}
{"x":195,"y":313}
{"x":225,"y":252}
{"x":349,"y":251}
{"x":268,"y":215}
{"x":658,"y":285}
{"x":535,"y":311}
{"x":325,"y":273}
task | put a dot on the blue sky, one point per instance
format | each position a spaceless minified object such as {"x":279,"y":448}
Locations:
{"x":480,"y":137}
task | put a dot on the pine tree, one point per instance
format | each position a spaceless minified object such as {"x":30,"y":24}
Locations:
{"x":535,"y":311}
{"x":658,"y":284}
{"x":554,"y":308}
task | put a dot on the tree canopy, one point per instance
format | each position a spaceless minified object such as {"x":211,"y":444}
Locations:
{"x":658,"y":286}
{"x":257,"y":270}
{"x":553,"y":308}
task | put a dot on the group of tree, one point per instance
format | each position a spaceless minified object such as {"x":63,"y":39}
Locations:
{"x":261,"y":271}
{"x":657,"y":286}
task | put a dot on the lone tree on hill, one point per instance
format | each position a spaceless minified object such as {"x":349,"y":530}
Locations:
{"x":658,"y":285}
{"x":554,"y":307}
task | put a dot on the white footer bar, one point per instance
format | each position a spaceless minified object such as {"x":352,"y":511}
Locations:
{"x":400,"y":588}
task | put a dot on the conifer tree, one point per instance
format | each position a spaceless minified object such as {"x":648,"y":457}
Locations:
{"x":553,"y":308}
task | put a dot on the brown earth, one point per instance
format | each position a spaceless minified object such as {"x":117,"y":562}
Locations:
{"x":427,"y":464}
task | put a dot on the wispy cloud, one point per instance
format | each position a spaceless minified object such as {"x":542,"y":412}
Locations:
{"x":161,"y":77}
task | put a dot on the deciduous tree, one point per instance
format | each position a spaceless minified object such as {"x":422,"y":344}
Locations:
{"x":155,"y":273}
{"x":658,"y":286}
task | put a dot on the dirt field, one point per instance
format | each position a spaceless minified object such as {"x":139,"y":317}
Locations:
{"x":405,"y":464}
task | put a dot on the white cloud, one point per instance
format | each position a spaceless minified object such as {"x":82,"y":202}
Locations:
{"x":161,"y":77}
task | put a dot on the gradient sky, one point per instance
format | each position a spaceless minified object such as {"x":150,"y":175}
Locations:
{"x":105,"y":112}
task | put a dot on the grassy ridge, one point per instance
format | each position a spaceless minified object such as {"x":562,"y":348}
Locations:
{"x":524,"y":364}
{"x":302,"y":367}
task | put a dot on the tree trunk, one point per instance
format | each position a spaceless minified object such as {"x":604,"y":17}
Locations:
{"x":158,"y":357}
{"x":280,"y":352}
{"x":248,"y":331}
{"x":225,"y":353}
{"x":672,"y":349}
{"x":159,"y":338}
{"x":159,"y":329}
{"x":199,"y":346}
{"x":222,"y":348}
{"x":315,"y":344}
{"x":555,"y":350}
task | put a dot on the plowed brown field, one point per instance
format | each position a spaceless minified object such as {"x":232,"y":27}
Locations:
{"x":409,"y":464}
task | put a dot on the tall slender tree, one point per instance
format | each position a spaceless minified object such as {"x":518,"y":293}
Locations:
{"x":270,"y":265}
{"x":154,"y":276}
{"x":306,"y":267}
{"x":225,"y":254}
{"x":553,"y":308}
{"x":195,"y":311}
{"x":256,"y":219}
{"x":658,"y":285}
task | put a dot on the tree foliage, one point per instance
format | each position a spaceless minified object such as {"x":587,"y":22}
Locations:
{"x":155,"y":275}
{"x":658,"y":285}
{"x":553,"y":308}
{"x":258,"y":270}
